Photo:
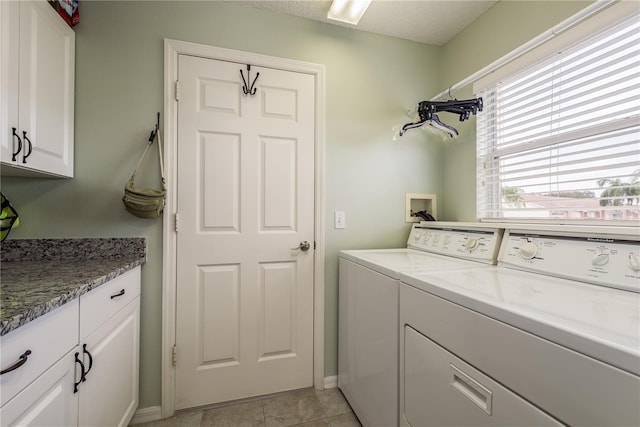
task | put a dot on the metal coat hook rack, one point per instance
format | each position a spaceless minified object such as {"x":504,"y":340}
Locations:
{"x":249,"y":90}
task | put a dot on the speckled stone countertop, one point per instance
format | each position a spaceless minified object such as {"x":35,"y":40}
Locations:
{"x":40,"y":275}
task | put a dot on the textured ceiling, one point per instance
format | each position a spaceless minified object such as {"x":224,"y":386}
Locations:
{"x":433,"y":22}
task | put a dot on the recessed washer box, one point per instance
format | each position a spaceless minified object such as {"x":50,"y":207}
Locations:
{"x":416,"y":202}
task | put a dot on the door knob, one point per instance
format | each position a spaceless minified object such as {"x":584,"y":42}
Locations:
{"x":303,"y":246}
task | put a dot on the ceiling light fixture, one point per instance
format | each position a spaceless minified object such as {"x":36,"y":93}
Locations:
{"x":349,"y":11}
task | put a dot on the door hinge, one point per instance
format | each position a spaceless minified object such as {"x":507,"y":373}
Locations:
{"x":177,"y":222}
{"x":314,"y":245}
{"x":177,"y":90}
{"x":174,"y":356}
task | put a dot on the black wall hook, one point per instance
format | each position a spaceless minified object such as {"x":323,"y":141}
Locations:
{"x":154,"y":132}
{"x":245,"y":88}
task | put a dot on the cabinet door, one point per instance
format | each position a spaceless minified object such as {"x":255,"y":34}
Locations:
{"x":109,"y":396}
{"x":9,"y":70}
{"x":47,"y":57}
{"x":49,"y":400}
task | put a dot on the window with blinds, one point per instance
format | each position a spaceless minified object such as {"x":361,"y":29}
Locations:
{"x":561,"y":139}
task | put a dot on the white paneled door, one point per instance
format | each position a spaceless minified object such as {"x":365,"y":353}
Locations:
{"x":245,"y":204}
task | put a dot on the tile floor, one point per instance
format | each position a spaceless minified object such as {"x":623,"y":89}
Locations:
{"x":309,"y":408}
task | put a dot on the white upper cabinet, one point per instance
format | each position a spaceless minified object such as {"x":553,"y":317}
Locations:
{"x":37,"y":90}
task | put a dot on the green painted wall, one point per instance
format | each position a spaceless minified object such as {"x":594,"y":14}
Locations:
{"x":501,"y":29}
{"x":370,"y":82}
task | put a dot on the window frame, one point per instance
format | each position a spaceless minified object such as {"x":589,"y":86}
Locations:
{"x":489,"y":193}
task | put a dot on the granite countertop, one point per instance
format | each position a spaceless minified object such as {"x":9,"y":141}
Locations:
{"x":40,"y":275}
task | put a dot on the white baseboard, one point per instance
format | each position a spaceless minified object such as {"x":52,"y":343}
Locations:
{"x":154,"y":413}
{"x":331,"y":382}
{"x":144,"y":415}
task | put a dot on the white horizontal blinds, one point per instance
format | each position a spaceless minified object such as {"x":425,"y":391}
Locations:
{"x":488,"y":188}
{"x":562,"y":139}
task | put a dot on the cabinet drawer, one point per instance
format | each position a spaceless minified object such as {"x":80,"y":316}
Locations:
{"x":97,"y":306}
{"x":48,"y":337}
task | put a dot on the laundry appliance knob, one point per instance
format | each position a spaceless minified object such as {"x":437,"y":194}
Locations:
{"x":600,"y":260}
{"x":471,"y":243}
{"x":528,"y":250}
{"x":634,"y":261}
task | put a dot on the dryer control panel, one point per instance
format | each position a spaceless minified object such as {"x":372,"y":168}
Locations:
{"x":612,"y":261}
{"x":476,"y":244}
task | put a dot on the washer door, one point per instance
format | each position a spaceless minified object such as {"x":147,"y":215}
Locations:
{"x":440,"y":389}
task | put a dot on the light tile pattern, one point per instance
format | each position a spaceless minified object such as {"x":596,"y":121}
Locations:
{"x":309,"y":408}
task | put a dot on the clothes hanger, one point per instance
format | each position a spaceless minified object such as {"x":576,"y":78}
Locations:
{"x":434,"y":125}
{"x":441,"y":128}
{"x":427,"y":117}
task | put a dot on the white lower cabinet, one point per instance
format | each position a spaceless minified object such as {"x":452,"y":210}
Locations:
{"x":27,"y":352}
{"x":92,"y":381}
{"x":109,"y":396}
{"x":48,"y":401}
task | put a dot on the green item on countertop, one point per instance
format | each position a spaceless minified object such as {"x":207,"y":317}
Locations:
{"x":8,"y":218}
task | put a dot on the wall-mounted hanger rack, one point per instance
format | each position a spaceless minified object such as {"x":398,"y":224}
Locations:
{"x":427,"y":114}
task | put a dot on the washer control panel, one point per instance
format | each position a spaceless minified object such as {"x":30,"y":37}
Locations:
{"x":467,"y":243}
{"x":605,"y":260}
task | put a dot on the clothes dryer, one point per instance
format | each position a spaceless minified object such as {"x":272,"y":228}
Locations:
{"x":368,"y":308}
{"x":550,"y":336}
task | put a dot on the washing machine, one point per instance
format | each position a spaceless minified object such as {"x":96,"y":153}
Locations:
{"x":368,"y":328}
{"x":549,"y":336}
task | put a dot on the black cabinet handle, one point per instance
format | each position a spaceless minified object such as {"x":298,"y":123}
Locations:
{"x":21,"y":361}
{"x":25,"y":155}
{"x":82,"y":374}
{"x":119,"y":294}
{"x":85,"y":351}
{"x":15,"y":135}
